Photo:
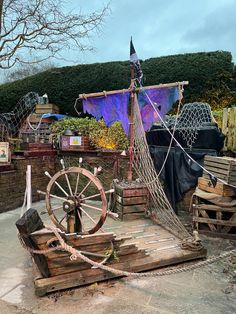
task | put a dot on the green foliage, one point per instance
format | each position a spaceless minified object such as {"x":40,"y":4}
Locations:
{"x":99,"y":134}
{"x":82,"y":126}
{"x":211,"y":79}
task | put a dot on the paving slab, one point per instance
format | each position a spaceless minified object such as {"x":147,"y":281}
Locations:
{"x":210,"y":289}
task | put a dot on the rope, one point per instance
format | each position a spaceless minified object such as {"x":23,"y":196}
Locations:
{"x":77,"y":254}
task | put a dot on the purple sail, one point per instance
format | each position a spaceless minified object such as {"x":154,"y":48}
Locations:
{"x":112,"y":107}
{"x":161,"y":98}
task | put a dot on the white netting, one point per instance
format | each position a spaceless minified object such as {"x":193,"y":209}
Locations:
{"x":192,"y":117}
{"x":161,"y":210}
{"x":11,"y":122}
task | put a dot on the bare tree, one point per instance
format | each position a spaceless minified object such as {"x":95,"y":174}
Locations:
{"x":32,"y":31}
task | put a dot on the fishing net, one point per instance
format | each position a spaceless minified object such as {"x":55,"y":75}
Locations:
{"x":11,"y":122}
{"x":192,"y":117}
{"x":161,"y":210}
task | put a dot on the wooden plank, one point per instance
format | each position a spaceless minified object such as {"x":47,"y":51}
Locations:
{"x":215,"y":208}
{"x":215,"y":221}
{"x":46,"y":285}
{"x":205,"y":215}
{"x":223,"y":160}
{"x":227,"y":179}
{"x":131,"y":200}
{"x":130,"y":209}
{"x":43,"y":235}
{"x":104,"y":93}
{"x":219,"y":165}
{"x":131,"y":192}
{"x":220,"y":188}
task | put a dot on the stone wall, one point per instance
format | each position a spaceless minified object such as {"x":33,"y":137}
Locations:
{"x":13,"y":182}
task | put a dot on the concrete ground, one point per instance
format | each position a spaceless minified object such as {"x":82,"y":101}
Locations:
{"x":210,"y":289}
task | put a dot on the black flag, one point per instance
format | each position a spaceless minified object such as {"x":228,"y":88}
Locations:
{"x":135,"y":63}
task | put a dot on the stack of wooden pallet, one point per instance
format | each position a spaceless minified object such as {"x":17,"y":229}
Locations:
{"x":216,"y":218}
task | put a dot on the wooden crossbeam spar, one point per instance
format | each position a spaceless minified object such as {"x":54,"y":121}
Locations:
{"x":119,"y":91}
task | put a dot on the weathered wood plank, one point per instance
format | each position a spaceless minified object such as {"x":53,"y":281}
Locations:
{"x":215,"y":221}
{"x":220,"y":188}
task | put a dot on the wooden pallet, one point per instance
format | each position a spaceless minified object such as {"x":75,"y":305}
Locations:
{"x":131,"y":200}
{"x":220,"y":188}
{"x":214,"y":220}
{"x":221,"y":167}
{"x":46,"y":108}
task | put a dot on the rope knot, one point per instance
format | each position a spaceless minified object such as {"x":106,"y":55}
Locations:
{"x":73,"y":257}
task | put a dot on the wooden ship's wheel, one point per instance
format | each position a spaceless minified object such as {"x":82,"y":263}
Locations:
{"x":76,"y":201}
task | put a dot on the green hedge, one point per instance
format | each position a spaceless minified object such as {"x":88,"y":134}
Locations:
{"x":211,"y":78}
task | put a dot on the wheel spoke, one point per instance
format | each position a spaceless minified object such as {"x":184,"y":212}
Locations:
{"x":87,"y":185}
{"x":77,"y":183}
{"x":60,"y":221}
{"x":90,"y":218}
{"x":91,"y":206}
{"x":68,"y":183}
{"x":61,"y":188}
{"x":95,"y":195}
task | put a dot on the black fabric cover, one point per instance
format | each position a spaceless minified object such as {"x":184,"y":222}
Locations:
{"x":179,"y":173}
{"x":208,"y":137}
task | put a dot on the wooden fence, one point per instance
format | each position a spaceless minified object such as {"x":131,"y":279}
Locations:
{"x":229,"y":129}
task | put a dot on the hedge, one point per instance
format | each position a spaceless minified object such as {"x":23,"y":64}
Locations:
{"x":211,"y":79}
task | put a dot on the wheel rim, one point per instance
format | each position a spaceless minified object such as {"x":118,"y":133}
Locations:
{"x":73,"y":196}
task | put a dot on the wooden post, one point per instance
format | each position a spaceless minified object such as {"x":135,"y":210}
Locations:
{"x":131,"y":126}
{"x":28,"y":187}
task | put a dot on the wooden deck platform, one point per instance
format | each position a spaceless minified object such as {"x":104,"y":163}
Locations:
{"x":140,"y":245}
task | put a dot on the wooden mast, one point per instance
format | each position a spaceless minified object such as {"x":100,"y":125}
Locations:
{"x":131,"y":125}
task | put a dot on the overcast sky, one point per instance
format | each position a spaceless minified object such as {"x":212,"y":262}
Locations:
{"x":159,"y":28}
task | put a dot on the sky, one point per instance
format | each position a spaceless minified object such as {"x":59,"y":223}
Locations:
{"x":159,"y":28}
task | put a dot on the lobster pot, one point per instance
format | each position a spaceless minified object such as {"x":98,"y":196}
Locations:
{"x":131,"y":200}
{"x":222,"y":167}
{"x":75,"y":143}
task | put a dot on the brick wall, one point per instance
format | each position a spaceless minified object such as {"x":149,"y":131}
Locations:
{"x":13,"y":182}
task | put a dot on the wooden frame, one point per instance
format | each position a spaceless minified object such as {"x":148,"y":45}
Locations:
{"x":4,"y":152}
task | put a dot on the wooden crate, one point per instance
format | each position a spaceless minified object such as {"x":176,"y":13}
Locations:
{"x":46,"y":108}
{"x":221,"y":167}
{"x":220,"y":188}
{"x":131,"y":200}
{"x":82,"y":143}
{"x":214,"y":220}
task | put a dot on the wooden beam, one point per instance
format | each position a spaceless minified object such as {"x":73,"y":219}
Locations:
{"x":119,"y":91}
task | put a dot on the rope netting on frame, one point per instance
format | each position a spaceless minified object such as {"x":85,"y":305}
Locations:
{"x":192,"y":117}
{"x":11,"y":122}
{"x":161,"y":210}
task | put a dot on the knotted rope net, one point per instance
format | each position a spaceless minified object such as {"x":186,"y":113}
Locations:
{"x":193,"y":116}
{"x":161,"y":210}
{"x":11,"y":122}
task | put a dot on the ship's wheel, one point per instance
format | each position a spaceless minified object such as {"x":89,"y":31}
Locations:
{"x":76,"y":200}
